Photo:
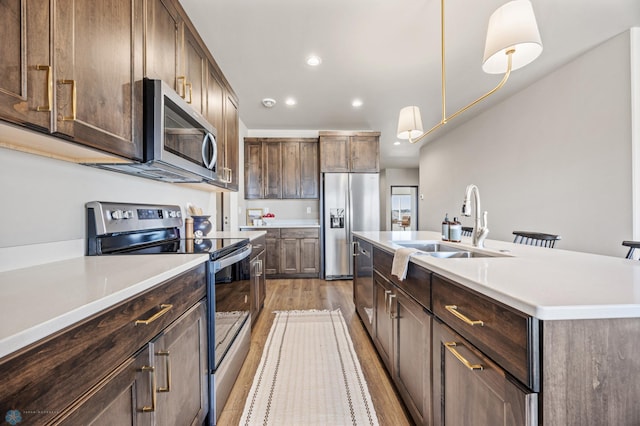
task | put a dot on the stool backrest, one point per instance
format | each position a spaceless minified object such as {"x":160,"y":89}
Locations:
{"x":539,"y":239}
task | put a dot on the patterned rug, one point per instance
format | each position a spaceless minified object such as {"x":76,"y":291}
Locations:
{"x":309,"y":374}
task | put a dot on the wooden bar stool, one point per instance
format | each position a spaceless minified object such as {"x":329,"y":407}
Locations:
{"x":536,"y":238}
{"x":632,"y":246}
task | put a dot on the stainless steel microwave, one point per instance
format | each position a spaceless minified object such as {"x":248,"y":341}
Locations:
{"x":179,"y":144}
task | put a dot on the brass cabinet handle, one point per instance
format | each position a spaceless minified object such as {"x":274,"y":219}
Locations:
{"x":190,"y":92}
{"x":152,"y":371}
{"x":167,"y":369}
{"x":47,"y":68}
{"x":391,"y":296}
{"x":164,"y":308}
{"x":451,"y":348}
{"x":386,"y":300}
{"x":454,"y":310}
{"x":184,"y":87}
{"x":71,"y":117}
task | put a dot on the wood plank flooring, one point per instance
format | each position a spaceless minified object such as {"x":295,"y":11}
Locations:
{"x":291,"y":294}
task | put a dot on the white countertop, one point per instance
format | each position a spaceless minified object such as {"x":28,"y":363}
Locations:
{"x":251,"y":235}
{"x":549,"y":284}
{"x":41,"y":300}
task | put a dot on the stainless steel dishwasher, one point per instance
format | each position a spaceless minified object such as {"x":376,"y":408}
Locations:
{"x":363,"y":281}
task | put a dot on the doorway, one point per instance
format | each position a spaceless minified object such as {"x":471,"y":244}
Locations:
{"x":404,"y":208}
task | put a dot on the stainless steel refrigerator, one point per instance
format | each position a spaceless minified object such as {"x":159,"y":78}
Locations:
{"x":350,"y":202}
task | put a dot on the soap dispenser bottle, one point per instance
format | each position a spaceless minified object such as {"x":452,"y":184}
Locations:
{"x":455,"y":231}
{"x":445,"y":228}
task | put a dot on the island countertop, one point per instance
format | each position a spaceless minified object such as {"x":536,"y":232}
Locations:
{"x":549,"y":284}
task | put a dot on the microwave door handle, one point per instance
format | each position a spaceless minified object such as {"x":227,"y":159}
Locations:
{"x":214,"y":156}
{"x":209,"y":164}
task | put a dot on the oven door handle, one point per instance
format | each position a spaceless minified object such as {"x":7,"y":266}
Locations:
{"x":233,"y":258}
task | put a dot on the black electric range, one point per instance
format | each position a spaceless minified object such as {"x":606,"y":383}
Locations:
{"x":131,"y":229}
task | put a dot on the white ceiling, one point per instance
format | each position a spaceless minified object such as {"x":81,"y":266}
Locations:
{"x":384,"y":52}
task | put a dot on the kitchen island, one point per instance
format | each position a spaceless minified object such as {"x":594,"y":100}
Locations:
{"x":526,"y":335}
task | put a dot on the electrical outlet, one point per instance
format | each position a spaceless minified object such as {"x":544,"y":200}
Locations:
{"x":266,"y":209}
{"x":308,"y":210}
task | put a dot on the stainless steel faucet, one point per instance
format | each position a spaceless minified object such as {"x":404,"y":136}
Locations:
{"x":480,"y":230}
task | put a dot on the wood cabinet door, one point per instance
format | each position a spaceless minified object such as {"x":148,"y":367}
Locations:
{"x":289,"y":255}
{"x":334,"y":154}
{"x":272,"y":261}
{"x":26,"y":76}
{"x":364,"y":154}
{"x":290,"y":169}
{"x":194,"y":65}
{"x":468,"y":388}
{"x":119,"y":399}
{"x":412,"y":352}
{"x":162,"y":41}
{"x":98,"y":59}
{"x":180,"y":360}
{"x":215,"y":103}
{"x":309,"y":175}
{"x":272,"y":169}
{"x":252,"y":169}
{"x":309,"y":256}
{"x":383,"y":329}
{"x":232,"y":141}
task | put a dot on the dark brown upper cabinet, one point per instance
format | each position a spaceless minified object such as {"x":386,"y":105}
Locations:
{"x":98,"y":52}
{"x":284,"y":168}
{"x":26,"y":75}
{"x":349,"y":152}
{"x":75,"y":69}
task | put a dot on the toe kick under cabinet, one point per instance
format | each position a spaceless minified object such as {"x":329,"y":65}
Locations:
{"x":143,"y":362}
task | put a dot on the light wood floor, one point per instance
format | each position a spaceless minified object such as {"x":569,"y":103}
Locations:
{"x":293,"y":294}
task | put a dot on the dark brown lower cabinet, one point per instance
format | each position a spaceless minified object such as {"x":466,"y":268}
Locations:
{"x":165,"y":383}
{"x":403,"y":339}
{"x":469,"y":389}
{"x":119,"y":399}
{"x":258,"y":281}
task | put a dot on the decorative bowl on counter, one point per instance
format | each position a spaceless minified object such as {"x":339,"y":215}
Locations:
{"x":201,"y":226}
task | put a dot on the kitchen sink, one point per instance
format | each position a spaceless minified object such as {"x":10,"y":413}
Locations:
{"x":443,"y":251}
{"x":428,"y":246}
{"x":459,"y":254}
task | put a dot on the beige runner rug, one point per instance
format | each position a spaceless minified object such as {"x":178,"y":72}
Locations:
{"x":309,"y":374}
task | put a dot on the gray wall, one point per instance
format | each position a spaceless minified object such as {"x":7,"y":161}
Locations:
{"x":43,"y":199}
{"x":555,"y":157}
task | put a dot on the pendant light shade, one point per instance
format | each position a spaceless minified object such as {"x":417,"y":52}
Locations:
{"x":511,"y":27}
{"x":513,"y":41}
{"x":409,"y":123}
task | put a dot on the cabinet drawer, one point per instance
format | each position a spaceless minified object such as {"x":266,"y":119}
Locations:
{"x":76,"y":359}
{"x":257,"y":245}
{"x":273,"y":232}
{"x":418,"y":281}
{"x":509,"y":337}
{"x":299,"y":233}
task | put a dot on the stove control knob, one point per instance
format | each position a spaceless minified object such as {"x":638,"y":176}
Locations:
{"x":117,"y":214}
{"x":172,"y":213}
{"x":178,"y":214}
{"x":128,"y":214}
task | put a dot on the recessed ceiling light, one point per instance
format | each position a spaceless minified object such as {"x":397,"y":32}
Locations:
{"x":268,"y":102}
{"x":396,"y":143}
{"x":290,"y":101}
{"x":357,"y":103}
{"x":314,"y":61}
